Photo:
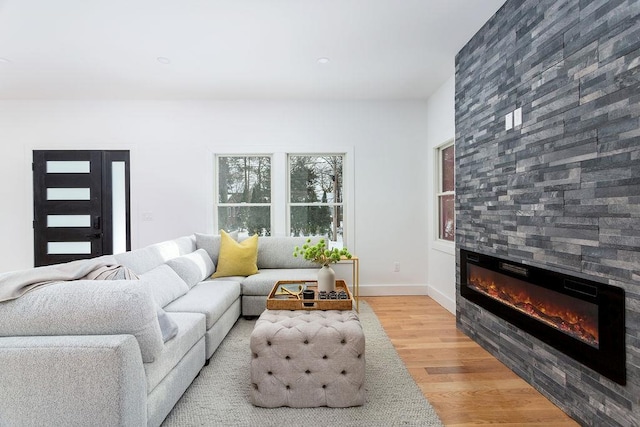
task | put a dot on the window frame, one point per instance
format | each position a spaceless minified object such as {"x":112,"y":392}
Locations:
{"x":318,"y":204}
{"x":279,"y":181}
{"x":216,"y":188}
{"x":440,"y":243}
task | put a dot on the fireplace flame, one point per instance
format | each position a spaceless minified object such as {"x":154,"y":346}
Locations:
{"x":561,"y":317}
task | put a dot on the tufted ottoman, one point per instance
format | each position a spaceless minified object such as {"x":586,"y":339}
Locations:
{"x":306,"y":359}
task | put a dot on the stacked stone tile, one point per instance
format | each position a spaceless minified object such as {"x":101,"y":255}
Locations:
{"x":561,"y":191}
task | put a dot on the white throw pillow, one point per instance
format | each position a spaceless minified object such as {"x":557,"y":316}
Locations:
{"x":165,"y":284}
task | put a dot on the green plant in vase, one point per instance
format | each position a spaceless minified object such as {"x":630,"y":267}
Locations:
{"x":321,"y":254}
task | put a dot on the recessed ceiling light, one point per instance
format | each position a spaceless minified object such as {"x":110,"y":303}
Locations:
{"x":4,"y":61}
{"x":163,"y":60}
{"x":323,"y":60}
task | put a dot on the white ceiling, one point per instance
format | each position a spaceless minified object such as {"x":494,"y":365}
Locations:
{"x":232,"y":49}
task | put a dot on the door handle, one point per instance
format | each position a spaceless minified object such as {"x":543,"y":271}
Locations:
{"x":94,"y":235}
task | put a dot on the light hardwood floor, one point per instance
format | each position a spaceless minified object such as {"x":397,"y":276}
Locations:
{"x":464,"y":383}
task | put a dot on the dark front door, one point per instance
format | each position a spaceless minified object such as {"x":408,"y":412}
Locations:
{"x":77,"y":195}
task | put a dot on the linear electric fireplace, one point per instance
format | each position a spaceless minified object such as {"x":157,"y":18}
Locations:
{"x":581,"y":318}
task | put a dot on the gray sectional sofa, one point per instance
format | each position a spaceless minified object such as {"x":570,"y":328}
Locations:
{"x":122,"y":352}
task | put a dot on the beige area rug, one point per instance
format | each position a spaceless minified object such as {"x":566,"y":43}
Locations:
{"x":219,"y":396}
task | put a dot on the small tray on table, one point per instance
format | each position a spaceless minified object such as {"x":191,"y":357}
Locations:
{"x":279,"y":299}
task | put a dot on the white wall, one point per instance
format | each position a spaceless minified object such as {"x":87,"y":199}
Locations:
{"x":442,"y":263}
{"x":171,"y":145}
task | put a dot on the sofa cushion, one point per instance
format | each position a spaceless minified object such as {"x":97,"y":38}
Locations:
{"x":168,"y":327}
{"x":191,"y":327}
{"x":262,"y":283}
{"x":237,"y":259}
{"x":165,"y":284}
{"x":87,"y":307}
{"x":192,"y":268}
{"x":184,"y":244}
{"x":277,"y":252}
{"x":211,"y":243}
{"x":211,"y":298}
{"x":141,"y":260}
{"x":144,"y":259}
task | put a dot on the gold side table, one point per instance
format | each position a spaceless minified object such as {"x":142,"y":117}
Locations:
{"x":355,"y":276}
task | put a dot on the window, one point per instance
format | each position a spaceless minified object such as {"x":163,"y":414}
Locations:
{"x":244,"y":194}
{"x":316,"y":196}
{"x":284,"y":193}
{"x":445,"y":192}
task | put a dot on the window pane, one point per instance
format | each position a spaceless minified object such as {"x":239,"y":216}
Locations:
{"x":64,"y":166}
{"x":68,"y":194}
{"x":245,"y":219}
{"x":68,"y":220}
{"x":315,"y":179}
{"x":447,"y":169}
{"x":119,"y":211}
{"x":244,"y":179}
{"x":324,"y":221}
{"x":68,"y":248}
{"x":447,"y":211}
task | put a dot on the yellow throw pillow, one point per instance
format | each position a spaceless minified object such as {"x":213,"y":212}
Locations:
{"x":237,"y":259}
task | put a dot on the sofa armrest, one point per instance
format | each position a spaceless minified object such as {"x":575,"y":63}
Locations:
{"x":72,"y":381}
{"x":87,"y":307}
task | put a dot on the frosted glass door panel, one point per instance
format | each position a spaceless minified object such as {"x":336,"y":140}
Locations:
{"x":68,"y":194}
{"x":68,"y":220}
{"x":119,"y":199}
{"x":66,"y":248}
{"x":56,"y":166}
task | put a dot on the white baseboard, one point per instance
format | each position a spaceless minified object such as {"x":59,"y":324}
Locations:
{"x":443,"y":300}
{"x":386,"y":290}
{"x":390,"y":290}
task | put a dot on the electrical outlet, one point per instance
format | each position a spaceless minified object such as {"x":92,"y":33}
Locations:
{"x":396,"y":267}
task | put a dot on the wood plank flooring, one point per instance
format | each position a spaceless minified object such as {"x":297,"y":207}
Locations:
{"x":464,"y":383}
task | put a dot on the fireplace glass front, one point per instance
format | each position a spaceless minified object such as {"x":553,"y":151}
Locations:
{"x":582,"y":318}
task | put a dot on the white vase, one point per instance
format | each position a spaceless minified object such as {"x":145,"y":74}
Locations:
{"x":326,"y":279}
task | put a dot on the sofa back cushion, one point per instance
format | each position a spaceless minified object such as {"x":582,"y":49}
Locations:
{"x":193,"y":268}
{"x":165,"y":284}
{"x":147,"y":258}
{"x":211,"y":244}
{"x":277,"y":252}
{"x":87,"y":307}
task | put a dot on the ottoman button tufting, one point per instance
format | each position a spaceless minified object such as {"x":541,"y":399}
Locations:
{"x":298,"y":334}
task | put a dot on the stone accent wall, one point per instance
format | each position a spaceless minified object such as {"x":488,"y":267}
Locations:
{"x":561,"y":191}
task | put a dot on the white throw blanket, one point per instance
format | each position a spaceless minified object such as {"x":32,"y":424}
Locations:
{"x":14,"y":284}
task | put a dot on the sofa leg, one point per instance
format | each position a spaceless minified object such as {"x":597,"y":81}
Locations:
{"x":206,"y":362}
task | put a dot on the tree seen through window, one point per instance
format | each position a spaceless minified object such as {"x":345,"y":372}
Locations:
{"x":315,"y":196}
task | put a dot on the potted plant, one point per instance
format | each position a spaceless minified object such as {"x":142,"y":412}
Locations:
{"x":320,"y":254}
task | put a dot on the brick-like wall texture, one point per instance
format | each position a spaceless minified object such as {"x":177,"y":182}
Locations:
{"x":561,"y":191}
